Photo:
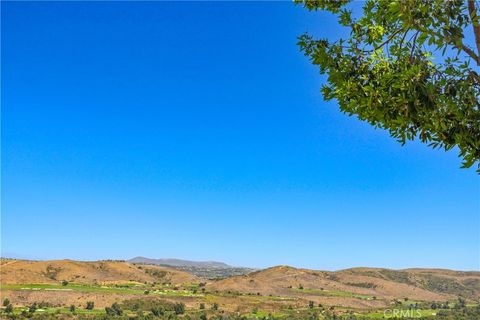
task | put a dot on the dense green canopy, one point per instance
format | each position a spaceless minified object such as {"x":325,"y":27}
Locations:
{"x":406,"y":67}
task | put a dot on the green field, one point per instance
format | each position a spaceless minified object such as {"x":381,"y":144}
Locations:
{"x":332,"y":293}
{"x":60,"y":310}
{"x":139,"y":308}
{"x":130,"y":289}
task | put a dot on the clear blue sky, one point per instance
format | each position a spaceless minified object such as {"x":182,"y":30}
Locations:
{"x":197,"y":131}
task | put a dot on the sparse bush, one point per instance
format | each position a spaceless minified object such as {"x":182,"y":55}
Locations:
{"x":179,"y":308}
{"x":109,"y":311}
{"x":90,"y":305}
{"x":368,"y":285}
{"x":202,"y":306}
{"x":6,"y":302}
{"x":460,"y":304}
{"x":72,"y":308}
{"x":158,"y":311}
{"x":117,"y":309}
{"x":44,"y":304}
{"x":32,"y":308}
{"x":64,"y":283}
{"x":114,"y":310}
{"x":156,"y":273}
{"x":9,"y":308}
{"x":52,"y":272}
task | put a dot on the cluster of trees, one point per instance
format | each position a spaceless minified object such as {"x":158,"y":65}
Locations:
{"x":8,"y":307}
{"x":452,"y":314}
{"x":89,"y":306}
{"x":156,"y":273}
{"x":156,"y":309}
{"x":460,"y":313}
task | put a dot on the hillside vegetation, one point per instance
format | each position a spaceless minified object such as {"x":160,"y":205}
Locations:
{"x":280,"y":290}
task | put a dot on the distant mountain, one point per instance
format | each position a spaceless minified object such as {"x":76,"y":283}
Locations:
{"x":180,"y":263}
{"x":204,"y":269}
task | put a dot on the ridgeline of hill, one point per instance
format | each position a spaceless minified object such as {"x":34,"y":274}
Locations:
{"x":180,"y":263}
{"x":93,"y":273}
{"x":63,"y":282}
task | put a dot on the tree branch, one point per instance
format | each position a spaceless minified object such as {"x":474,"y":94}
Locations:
{"x":458,"y":43}
{"x":413,"y":45}
{"x":403,"y":38}
{"x":470,"y":52}
{"x":472,"y":10}
{"x":388,"y":40}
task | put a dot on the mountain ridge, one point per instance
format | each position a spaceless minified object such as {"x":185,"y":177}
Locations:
{"x":174,"y":262}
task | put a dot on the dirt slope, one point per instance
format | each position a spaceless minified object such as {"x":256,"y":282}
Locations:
{"x":415,"y":284}
{"x":98,"y":272}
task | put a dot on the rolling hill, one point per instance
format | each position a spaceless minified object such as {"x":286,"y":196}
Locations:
{"x":97,"y":272}
{"x":274,"y":288}
{"x":368,"y":283}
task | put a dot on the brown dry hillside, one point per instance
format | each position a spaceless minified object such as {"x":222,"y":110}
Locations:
{"x":272,"y":288}
{"x":416,"y":284}
{"x":98,"y":272}
{"x":439,"y":281}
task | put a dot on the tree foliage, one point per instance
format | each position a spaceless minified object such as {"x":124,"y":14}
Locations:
{"x":406,"y":67}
